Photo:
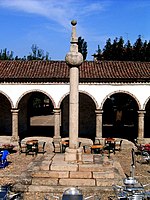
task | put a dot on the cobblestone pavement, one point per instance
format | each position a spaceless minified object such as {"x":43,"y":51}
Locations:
{"x":18,"y":163}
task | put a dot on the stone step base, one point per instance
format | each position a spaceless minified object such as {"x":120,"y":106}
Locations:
{"x":75,"y":182}
{"x":58,"y":175}
{"x":61,"y":189}
{"x":57,"y":192}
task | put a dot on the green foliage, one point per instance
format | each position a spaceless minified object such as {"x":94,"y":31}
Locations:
{"x":36,"y":54}
{"x":6,"y":55}
{"x":82,"y":47}
{"x":140,"y":51}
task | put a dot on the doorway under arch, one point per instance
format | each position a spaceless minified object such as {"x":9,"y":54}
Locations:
{"x":147,"y":120}
{"x":120,"y":117}
{"x":36,"y":116}
{"x":87,"y":117}
{"x":5,"y":116}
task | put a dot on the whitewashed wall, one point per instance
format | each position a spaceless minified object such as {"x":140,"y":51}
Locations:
{"x":56,"y":92}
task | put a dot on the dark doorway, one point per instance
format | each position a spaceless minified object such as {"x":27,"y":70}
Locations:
{"x":36,"y":116}
{"x":147,"y":121}
{"x":87,"y":117}
{"x":120,"y":117}
{"x":5,"y":116}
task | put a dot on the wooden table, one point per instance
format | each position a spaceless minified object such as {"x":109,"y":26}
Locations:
{"x":31,"y":142}
{"x":110,"y":139}
{"x":65,"y":143}
{"x":32,"y":146}
{"x":97,"y":147}
{"x":7,"y":147}
{"x":110,"y":145}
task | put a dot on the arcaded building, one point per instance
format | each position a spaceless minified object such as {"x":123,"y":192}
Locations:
{"x":114,"y":99}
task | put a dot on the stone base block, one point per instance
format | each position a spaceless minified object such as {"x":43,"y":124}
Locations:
{"x":73,"y":155}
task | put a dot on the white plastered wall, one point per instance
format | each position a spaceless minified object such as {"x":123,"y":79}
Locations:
{"x":56,"y":92}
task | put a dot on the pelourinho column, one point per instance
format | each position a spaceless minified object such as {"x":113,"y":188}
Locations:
{"x":141,"y":114}
{"x":73,"y":59}
{"x":15,"y":136}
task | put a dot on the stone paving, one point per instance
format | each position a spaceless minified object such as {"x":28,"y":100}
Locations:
{"x":51,"y":174}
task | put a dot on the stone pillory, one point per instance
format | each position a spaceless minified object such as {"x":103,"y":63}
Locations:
{"x":74,"y":59}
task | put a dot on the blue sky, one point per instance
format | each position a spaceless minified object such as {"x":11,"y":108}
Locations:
{"x":46,"y":23}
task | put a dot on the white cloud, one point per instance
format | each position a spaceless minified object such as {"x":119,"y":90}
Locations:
{"x":61,"y":12}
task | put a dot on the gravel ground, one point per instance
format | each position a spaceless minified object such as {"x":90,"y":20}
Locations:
{"x":19,"y":163}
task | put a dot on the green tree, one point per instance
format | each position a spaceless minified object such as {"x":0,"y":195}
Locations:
{"x":37,"y":54}
{"x":147,"y":53}
{"x":114,"y":49}
{"x":82,"y":47}
{"x":98,"y":54}
{"x":137,"y":49}
{"x":120,"y":49}
{"x":143,"y":51}
{"x":6,"y":55}
{"x":107,"y":51}
{"x":128,"y":53}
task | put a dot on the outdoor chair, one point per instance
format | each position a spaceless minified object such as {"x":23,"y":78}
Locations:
{"x":145,"y":157}
{"x":32,"y":149}
{"x":3,"y":158}
{"x":57,"y":147}
{"x":22,"y":147}
{"x":110,"y":147}
{"x":87,"y":149}
{"x":41,"y":147}
{"x":144,"y":152}
{"x":64,"y":145}
{"x":99,"y":141}
{"x":118,"y":144}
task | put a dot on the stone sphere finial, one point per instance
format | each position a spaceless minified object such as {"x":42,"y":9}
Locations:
{"x":73,"y":22}
{"x":74,"y":58}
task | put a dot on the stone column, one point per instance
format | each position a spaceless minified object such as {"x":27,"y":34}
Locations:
{"x":15,"y":136}
{"x":141,"y":114}
{"x":99,"y":124}
{"x":57,"y":137}
{"x":56,"y":123}
{"x":74,"y":60}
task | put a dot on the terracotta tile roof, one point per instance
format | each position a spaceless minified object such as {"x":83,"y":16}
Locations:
{"x":90,"y":71}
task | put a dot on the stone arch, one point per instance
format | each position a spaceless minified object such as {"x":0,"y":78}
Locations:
{"x":120,"y":116}
{"x":6,"y":105}
{"x":120,"y":91}
{"x":88,"y":94}
{"x":87,"y":116}
{"x":9,"y":99}
{"x":145,"y":103}
{"x":34,"y":90}
{"x":80,"y":91}
{"x":146,"y":107}
{"x":36,"y":117}
{"x":62,"y":98}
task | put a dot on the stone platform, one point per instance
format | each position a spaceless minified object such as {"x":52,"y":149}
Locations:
{"x":51,"y":174}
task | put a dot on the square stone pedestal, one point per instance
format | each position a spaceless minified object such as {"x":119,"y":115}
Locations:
{"x":73,"y":155}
